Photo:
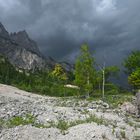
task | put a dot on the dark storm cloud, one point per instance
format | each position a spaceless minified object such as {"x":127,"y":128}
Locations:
{"x":111,"y":27}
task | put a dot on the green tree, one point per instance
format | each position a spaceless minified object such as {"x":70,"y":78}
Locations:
{"x":104,"y":75}
{"x":59,"y":73}
{"x":132,"y":62}
{"x":110,"y":72}
{"x":134,"y":79}
{"x":132,"y":65}
{"x":85,"y":74}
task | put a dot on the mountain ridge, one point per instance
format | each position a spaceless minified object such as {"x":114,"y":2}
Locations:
{"x":22,"y":51}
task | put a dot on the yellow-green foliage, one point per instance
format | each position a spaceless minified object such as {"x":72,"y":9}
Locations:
{"x":59,"y":73}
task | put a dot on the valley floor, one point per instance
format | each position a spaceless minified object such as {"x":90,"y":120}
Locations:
{"x":28,"y":116}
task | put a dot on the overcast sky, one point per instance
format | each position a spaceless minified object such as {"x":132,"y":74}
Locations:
{"x":110,"y":27}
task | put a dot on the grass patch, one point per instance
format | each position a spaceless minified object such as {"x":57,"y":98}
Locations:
{"x":123,"y":135}
{"x":62,"y":125}
{"x":92,"y":118}
{"x":114,"y":100}
{"x":17,"y":120}
{"x":2,"y":122}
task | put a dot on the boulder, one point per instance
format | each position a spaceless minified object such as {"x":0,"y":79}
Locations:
{"x":128,"y":108}
{"x":138,"y":101}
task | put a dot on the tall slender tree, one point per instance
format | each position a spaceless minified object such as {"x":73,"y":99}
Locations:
{"x":85,"y":74}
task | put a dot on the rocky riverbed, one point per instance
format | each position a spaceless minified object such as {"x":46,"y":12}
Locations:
{"x":28,"y":116}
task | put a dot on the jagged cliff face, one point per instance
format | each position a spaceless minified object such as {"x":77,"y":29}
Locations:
{"x":3,"y":32}
{"x":21,"y":50}
{"x":24,"y":41}
{"x":26,"y":60}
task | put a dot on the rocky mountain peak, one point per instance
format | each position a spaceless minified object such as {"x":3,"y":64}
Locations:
{"x":25,"y":41}
{"x":20,"y":50}
{"x":21,"y":34}
{"x":23,"y":52}
{"x":3,"y":32}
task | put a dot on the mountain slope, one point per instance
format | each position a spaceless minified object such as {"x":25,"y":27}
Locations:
{"x":22,"y":51}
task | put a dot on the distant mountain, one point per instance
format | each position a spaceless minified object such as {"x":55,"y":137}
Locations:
{"x":22,"y":51}
{"x":67,"y":66}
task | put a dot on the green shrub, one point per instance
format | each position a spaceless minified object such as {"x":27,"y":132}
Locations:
{"x":62,"y":125}
{"x":111,"y":89}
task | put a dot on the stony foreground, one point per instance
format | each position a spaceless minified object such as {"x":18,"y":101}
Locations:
{"x":27,"y":116}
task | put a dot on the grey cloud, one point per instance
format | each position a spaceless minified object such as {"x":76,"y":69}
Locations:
{"x":111,"y":27}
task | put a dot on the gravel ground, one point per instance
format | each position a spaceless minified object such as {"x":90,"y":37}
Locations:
{"x":50,"y":110}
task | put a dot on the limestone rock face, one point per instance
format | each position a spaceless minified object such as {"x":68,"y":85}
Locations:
{"x":24,"y":59}
{"x":22,"y":51}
